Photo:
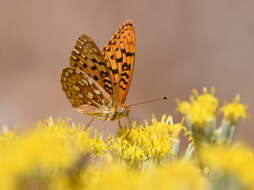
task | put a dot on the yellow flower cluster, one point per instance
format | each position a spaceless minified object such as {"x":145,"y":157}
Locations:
{"x":76,"y":135}
{"x":234,"y":110}
{"x":148,"y":142}
{"x":42,"y":153}
{"x":53,"y":155}
{"x":230,"y":161}
{"x":177,"y":175}
{"x":61,"y":155}
{"x":201,"y":110}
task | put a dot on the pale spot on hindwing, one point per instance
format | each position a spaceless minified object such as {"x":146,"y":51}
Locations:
{"x":97,"y":92}
{"x":81,"y":83}
{"x":77,"y":71}
{"x":89,"y":95}
{"x":85,"y":82}
{"x":90,"y":82}
{"x":66,"y":74}
{"x":64,"y":79}
{"x":76,"y":88}
{"x":80,"y":95}
{"x":64,"y":86}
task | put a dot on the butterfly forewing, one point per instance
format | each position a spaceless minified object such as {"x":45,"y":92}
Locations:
{"x":119,"y":53}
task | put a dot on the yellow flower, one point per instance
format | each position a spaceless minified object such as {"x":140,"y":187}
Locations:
{"x":148,"y":142}
{"x":6,"y":136}
{"x":113,"y":176}
{"x":234,"y":110}
{"x":74,"y":134}
{"x":201,"y":109}
{"x":33,"y":154}
{"x":238,"y":162}
{"x":177,"y":175}
{"x":44,"y":154}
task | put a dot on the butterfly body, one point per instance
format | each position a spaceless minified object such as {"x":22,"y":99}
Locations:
{"x":97,"y":82}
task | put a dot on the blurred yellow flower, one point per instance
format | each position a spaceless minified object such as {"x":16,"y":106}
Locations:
{"x":44,"y":153}
{"x":81,"y":139}
{"x":201,"y":109}
{"x":113,"y":176}
{"x":177,"y":175}
{"x":234,"y":110}
{"x":33,"y":154}
{"x":226,"y":160}
{"x":6,"y":136}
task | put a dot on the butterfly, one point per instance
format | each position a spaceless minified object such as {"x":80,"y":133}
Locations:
{"x":97,"y":82}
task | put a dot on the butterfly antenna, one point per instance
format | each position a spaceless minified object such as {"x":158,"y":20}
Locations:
{"x":153,"y":100}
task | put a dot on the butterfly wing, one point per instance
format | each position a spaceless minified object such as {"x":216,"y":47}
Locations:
{"x":87,"y":57}
{"x":85,"y":93}
{"x":119,"y":54}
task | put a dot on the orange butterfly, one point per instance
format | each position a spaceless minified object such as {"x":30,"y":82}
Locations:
{"x":97,"y":82}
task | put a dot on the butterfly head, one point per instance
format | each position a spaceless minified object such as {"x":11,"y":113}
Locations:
{"x":123,"y":111}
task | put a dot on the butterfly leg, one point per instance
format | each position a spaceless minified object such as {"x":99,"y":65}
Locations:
{"x":126,"y":123}
{"x":129,"y":121}
{"x":119,"y":124}
{"x":89,"y":123}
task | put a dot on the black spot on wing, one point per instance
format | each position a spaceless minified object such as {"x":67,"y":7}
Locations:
{"x":108,"y":88}
{"x":119,"y":60}
{"x":123,"y":88}
{"x":104,"y":74}
{"x":96,"y":78}
{"x":94,"y":68}
{"x":102,"y":63}
{"x":123,"y":80}
{"x":125,"y":75}
{"x":130,"y":54}
{"x":107,"y":81}
{"x":123,"y":51}
{"x":114,"y":71}
{"x":94,"y":60}
{"x":126,"y":67}
{"x":127,"y":53}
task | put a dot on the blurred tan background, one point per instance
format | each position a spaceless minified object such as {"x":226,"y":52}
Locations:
{"x":181,"y":45}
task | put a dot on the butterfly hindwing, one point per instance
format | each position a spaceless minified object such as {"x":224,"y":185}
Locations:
{"x":119,"y":53}
{"x":84,"y":92}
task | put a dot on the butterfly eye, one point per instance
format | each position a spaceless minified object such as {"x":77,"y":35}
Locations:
{"x":121,"y":110}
